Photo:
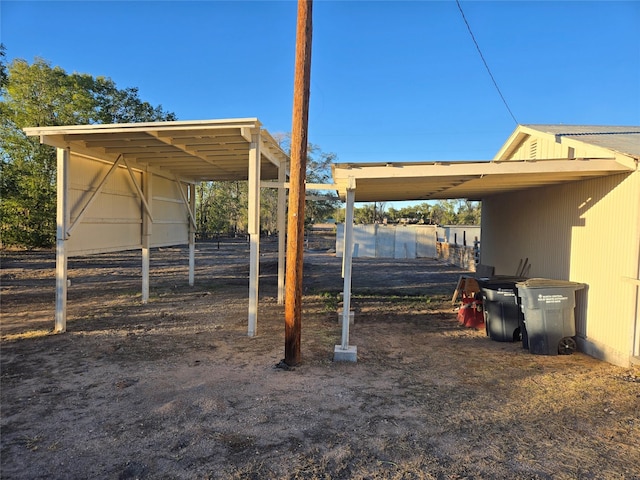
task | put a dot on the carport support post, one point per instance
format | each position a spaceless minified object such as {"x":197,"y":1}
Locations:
{"x":63,"y":217}
{"x":146,"y":235}
{"x":282,"y":227}
{"x":254,"y":231}
{"x":345,"y":352}
{"x":192,"y":235}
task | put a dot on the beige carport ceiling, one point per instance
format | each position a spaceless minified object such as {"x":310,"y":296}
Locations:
{"x":472,"y":180}
{"x":191,"y":150}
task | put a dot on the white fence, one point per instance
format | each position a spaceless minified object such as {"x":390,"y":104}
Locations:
{"x":390,"y":241}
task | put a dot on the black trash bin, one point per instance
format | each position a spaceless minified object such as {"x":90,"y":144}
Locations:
{"x":548,"y":308}
{"x":502,"y":315}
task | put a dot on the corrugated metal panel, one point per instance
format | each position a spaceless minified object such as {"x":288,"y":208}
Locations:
{"x":605,"y":251}
{"x":170,"y":215}
{"x":623,"y":139}
{"x":113,"y":220}
{"x":567,"y":232}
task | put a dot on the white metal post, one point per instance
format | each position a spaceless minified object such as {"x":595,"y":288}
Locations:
{"x":145,"y":274}
{"x":62,"y":222}
{"x":282,"y":228}
{"x":348,"y":254}
{"x":147,"y":225}
{"x":192,"y":235}
{"x":254,"y":231}
{"x":346,"y":352}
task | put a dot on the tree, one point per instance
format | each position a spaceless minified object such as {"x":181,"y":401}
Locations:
{"x":221,"y":207}
{"x":318,"y":171}
{"x":3,"y":67}
{"x":469,"y":212}
{"x":442,"y":212}
{"x":38,"y":94}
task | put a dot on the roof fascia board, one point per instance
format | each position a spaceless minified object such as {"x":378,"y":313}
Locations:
{"x":143,"y":126}
{"x":481,"y":168}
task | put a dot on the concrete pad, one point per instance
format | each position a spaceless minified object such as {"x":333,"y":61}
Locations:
{"x":348,"y":355}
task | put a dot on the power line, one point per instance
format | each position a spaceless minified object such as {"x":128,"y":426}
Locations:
{"x":485,"y":62}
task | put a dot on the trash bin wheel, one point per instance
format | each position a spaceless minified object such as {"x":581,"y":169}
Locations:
{"x":567,"y":346}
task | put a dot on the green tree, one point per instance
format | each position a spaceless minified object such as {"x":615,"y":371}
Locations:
{"x":221,"y":208}
{"x":370,"y":213}
{"x":38,"y":94}
{"x":442,"y":212}
{"x":318,"y":171}
{"x":3,"y":67}
{"x":469,"y":212}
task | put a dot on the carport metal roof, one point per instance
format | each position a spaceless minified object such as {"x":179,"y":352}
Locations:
{"x":472,"y":180}
{"x":191,"y":150}
{"x":609,"y":150}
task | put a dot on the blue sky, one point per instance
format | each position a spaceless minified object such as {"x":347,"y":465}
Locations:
{"x":391,"y":81}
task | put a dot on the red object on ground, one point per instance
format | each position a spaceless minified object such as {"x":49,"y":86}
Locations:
{"x":470,"y":314}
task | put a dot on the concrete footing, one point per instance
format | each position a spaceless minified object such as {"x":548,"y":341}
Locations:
{"x":348,"y":355}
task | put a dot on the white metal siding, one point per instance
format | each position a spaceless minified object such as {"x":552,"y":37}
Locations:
{"x":170,"y":214}
{"x":113,"y":220}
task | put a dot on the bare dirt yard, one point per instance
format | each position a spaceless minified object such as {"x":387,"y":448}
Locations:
{"x":175,"y":389}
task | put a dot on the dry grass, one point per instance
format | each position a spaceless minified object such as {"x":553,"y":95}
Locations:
{"x":175,"y":389}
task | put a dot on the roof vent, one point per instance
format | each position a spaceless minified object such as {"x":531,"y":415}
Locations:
{"x":533,"y":149}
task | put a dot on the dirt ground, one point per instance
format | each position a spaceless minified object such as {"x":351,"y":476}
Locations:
{"x":175,"y":389}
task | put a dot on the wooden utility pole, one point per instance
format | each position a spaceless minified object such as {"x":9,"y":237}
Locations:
{"x":295,"y":217}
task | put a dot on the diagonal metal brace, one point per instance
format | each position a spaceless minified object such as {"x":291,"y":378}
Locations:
{"x":94,"y":196}
{"x":139,"y":190}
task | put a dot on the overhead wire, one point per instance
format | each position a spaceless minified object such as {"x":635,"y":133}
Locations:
{"x":485,"y":62}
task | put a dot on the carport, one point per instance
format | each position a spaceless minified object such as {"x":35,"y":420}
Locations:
{"x":129,"y":186}
{"x":509,"y":172}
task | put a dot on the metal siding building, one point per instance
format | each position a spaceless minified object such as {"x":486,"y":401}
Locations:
{"x":586,"y":231}
{"x":565,"y":197}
